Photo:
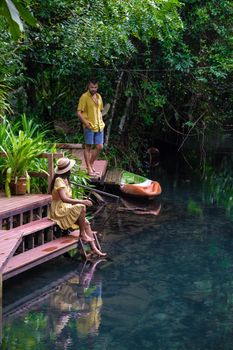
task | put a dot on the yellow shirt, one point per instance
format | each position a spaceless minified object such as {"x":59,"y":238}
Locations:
{"x":91,"y":110}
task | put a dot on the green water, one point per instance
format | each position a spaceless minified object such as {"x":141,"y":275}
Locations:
{"x":169,"y":285}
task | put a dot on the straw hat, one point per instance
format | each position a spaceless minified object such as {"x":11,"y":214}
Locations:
{"x":64,"y":165}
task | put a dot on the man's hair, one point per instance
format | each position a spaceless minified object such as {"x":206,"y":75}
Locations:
{"x":93,"y":81}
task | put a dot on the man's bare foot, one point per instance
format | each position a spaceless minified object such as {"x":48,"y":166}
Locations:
{"x":92,"y":173}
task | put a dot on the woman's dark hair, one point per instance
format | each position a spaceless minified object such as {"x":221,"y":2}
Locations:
{"x":63,"y":176}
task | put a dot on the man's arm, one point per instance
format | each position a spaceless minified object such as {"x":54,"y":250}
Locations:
{"x":83,"y":120}
{"x":80,"y":111}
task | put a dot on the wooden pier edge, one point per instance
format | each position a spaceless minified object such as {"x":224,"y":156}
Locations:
{"x":0,"y":307}
{"x":39,"y":255}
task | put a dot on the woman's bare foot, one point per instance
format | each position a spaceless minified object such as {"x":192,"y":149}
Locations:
{"x":87,"y":238}
{"x":98,"y":252}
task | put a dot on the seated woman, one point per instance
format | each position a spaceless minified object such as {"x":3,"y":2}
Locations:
{"x":66,"y":211}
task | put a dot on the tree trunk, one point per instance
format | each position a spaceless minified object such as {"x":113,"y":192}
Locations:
{"x":108,"y":131}
{"x":30,"y":85}
{"x":123,"y":118}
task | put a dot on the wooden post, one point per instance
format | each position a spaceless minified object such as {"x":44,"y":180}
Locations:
{"x":51,"y":157}
{"x":0,"y":307}
{"x":50,"y":169}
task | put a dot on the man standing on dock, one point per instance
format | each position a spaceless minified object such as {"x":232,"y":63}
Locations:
{"x":89,"y":111}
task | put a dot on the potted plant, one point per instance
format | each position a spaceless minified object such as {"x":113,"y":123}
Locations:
{"x":20,"y":149}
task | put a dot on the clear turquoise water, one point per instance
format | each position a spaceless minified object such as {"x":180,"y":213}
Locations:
{"x":169,"y":286}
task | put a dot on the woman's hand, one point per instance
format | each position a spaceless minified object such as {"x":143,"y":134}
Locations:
{"x":87,"y":202}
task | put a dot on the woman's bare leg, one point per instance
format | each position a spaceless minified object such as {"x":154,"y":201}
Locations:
{"x":88,"y":229}
{"x":89,"y":232}
{"x":82,"y":225}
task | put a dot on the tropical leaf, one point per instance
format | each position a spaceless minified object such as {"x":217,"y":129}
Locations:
{"x":14,"y":12}
{"x":21,"y":147}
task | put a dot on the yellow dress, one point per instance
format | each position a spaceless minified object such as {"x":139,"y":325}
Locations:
{"x":64,"y":214}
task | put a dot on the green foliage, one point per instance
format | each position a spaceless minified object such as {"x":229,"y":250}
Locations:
{"x":14,"y":11}
{"x":14,"y":340}
{"x":152,"y":102}
{"x":193,"y":208}
{"x":4,"y":105}
{"x":11,"y":69}
{"x":118,"y":156}
{"x":218,"y":186}
{"x":106,"y":28}
{"x":176,"y":60}
{"x":79,"y":177}
{"x":21,"y":144}
{"x":200,"y":57}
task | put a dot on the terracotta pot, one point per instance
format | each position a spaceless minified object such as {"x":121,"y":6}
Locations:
{"x":19,"y":187}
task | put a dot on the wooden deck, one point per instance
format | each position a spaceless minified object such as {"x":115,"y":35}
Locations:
{"x":19,"y":210}
{"x":77,"y":151}
{"x":26,"y":230}
{"x":18,"y":202}
{"x":27,"y":236}
{"x":113,"y":177}
{"x":38,"y":255}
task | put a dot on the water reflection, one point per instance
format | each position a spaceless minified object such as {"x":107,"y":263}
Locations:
{"x":169,"y":286}
{"x":58,"y":314}
{"x":143,"y":207}
{"x":79,"y":299}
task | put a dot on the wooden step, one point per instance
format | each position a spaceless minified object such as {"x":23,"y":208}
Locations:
{"x":8,"y":248}
{"x":33,"y":257}
{"x":16,"y":204}
{"x":31,"y":227}
{"x":32,"y":234}
{"x":19,"y":210}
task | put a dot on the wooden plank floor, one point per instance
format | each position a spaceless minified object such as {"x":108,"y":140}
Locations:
{"x":17,"y":203}
{"x":29,"y":228}
{"x":11,"y":239}
{"x":113,"y":177}
{"x":40,"y":254}
{"x":100,"y":165}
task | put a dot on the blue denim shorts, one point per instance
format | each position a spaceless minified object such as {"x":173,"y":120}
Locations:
{"x":93,"y":138}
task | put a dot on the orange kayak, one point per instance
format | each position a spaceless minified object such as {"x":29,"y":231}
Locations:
{"x":147,"y":189}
